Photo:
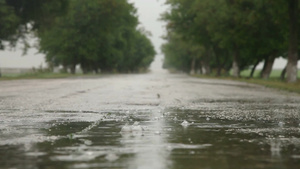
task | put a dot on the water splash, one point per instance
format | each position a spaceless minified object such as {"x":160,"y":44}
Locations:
{"x":186,"y":123}
{"x":132,"y":128}
{"x":281,"y":124}
{"x":111,"y":157}
{"x":126,"y":128}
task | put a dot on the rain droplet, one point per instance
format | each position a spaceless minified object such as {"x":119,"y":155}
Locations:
{"x":192,"y":152}
{"x":111,"y":157}
{"x":136,"y":127}
{"x":126,"y":128}
{"x":89,"y":153}
{"x":281,"y":124}
{"x":185,"y":123}
{"x":157,"y":133}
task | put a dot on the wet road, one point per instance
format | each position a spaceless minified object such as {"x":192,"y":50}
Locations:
{"x":137,"y":121}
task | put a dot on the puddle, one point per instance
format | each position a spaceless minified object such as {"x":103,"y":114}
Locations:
{"x":168,"y":139}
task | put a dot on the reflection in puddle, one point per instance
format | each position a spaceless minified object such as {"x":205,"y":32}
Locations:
{"x":148,"y":145}
{"x":159,"y":140}
{"x":275,"y":148}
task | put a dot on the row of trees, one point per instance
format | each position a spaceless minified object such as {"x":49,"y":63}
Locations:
{"x":225,"y":35}
{"x":97,"y":35}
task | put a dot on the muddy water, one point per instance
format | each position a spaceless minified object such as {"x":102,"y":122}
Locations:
{"x":160,"y":140}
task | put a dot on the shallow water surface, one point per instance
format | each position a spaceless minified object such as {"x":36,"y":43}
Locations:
{"x":155,"y":139}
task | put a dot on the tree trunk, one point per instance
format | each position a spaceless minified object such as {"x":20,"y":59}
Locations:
{"x":84,"y":70}
{"x":96,"y":71}
{"x":264,"y":66}
{"x":205,"y":62}
{"x":205,"y":67}
{"x":73,"y":69}
{"x":226,"y":67}
{"x":219,"y":66}
{"x":193,"y":63}
{"x":219,"y":70}
{"x":282,"y":75}
{"x":291,"y":69}
{"x":268,"y":68}
{"x":253,"y":69}
{"x":65,"y":68}
{"x":208,"y":70}
{"x":50,"y":66}
{"x":235,"y":65}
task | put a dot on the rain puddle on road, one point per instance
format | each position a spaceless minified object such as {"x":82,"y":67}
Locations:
{"x":168,"y":139}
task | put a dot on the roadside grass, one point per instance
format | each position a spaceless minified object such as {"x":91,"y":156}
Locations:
{"x":37,"y":76}
{"x":273,"y":82}
{"x":274,"y":74}
{"x":51,"y":75}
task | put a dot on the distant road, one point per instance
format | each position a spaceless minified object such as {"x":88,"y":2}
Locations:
{"x":115,"y":92}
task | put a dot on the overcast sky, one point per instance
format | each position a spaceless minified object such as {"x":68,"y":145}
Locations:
{"x":149,"y":12}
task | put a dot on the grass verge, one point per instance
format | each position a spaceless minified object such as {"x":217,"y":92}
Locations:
{"x":273,"y":82}
{"x":274,"y":74}
{"x":37,"y":76}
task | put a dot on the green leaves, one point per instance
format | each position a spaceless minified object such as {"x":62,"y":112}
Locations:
{"x":9,"y":23}
{"x":19,"y":17}
{"x":98,"y":36}
{"x":244,"y":30}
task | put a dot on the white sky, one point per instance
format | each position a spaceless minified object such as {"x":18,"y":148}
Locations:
{"x":15,"y":59}
{"x":149,"y":12}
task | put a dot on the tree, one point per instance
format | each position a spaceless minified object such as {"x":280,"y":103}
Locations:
{"x":9,"y":23}
{"x":177,"y":54}
{"x":293,"y":41}
{"x":244,"y":32}
{"x":18,"y":17}
{"x":98,"y":36}
{"x":191,"y":35}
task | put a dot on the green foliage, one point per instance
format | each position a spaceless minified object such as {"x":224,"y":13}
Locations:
{"x":224,"y":31}
{"x":8,"y":23}
{"x":19,"y":17}
{"x":176,"y":54}
{"x":36,"y":12}
{"x":99,"y":36}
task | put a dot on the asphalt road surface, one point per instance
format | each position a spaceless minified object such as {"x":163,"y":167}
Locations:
{"x":78,"y":123}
